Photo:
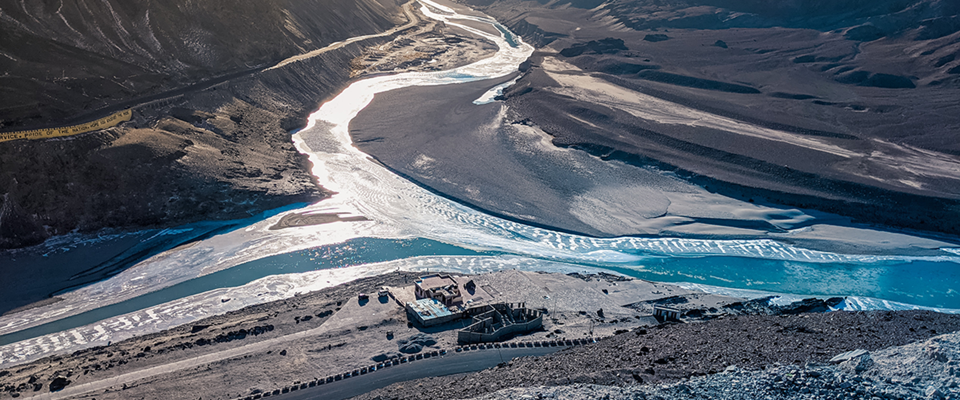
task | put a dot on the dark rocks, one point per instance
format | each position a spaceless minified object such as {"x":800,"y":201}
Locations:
{"x":235,"y":335}
{"x":524,"y":66}
{"x":416,"y":343}
{"x":190,"y":116}
{"x":602,"y":46}
{"x":944,"y":60}
{"x":935,"y":28}
{"x":657,"y":37}
{"x":792,"y":96}
{"x":59,"y":383}
{"x":720,"y":44}
{"x":762,"y":306}
{"x":678,"y":352}
{"x":699,"y":83}
{"x":860,"y":361}
{"x":811,"y":305}
{"x":617,"y":67}
{"x":385,"y":356}
{"x":867,"y":78}
{"x":17,"y":227}
{"x":411,"y":348}
{"x":889,"y":81}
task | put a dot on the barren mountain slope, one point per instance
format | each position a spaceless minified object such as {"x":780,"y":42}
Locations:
{"x":210,"y":132}
{"x":847,"y":107}
{"x":62,"y":59}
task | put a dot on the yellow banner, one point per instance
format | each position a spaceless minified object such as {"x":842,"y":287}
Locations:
{"x":102,"y":123}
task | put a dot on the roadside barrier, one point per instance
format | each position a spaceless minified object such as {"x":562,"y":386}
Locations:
{"x":403,"y":360}
{"x":102,"y":123}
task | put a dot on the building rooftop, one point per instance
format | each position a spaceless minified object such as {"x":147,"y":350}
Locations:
{"x":666,"y":308}
{"x":435,"y":281}
{"x":429,"y":309}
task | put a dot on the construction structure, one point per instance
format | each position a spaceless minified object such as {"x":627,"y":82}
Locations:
{"x":430,"y":312}
{"x":664,"y":313}
{"x":443,"y":288}
{"x":496,"y":322}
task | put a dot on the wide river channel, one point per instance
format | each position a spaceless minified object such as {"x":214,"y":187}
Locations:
{"x":409,"y":228}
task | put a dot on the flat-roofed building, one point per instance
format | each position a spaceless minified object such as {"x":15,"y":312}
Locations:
{"x":430,"y":312}
{"x":664,"y":313}
{"x":440,"y":287}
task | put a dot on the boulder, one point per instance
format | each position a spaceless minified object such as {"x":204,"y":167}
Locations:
{"x":59,"y":383}
{"x":416,"y":343}
{"x":858,"y":364}
{"x":385,"y":356}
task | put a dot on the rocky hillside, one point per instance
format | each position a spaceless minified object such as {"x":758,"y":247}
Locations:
{"x":63,"y":59}
{"x":210,"y":133}
{"x":857,"y":99}
{"x":920,"y":370}
{"x":767,"y":356}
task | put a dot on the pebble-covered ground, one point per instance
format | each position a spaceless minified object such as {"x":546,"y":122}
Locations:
{"x":781,"y":356}
{"x":923,"y":370}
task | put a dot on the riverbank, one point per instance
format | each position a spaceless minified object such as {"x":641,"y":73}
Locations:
{"x":231,"y":158}
{"x":329,"y":331}
{"x":271,"y":346}
{"x":786,"y":129}
{"x":209,"y":132}
{"x":216,"y":147}
{"x":494,"y":158}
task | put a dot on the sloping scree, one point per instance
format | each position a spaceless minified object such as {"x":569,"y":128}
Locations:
{"x":932,"y":365}
{"x":674,"y":352}
{"x":920,"y":370}
{"x":780,"y":382}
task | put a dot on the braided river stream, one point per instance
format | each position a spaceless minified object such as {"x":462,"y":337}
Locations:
{"x":407,"y":227}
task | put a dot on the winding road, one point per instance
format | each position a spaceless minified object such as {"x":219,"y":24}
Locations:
{"x":450,"y":364}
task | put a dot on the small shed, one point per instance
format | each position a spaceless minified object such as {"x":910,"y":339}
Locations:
{"x":664,"y":313}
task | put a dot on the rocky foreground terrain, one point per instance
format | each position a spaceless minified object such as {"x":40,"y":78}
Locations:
{"x":776,"y":351}
{"x":732,"y":357}
{"x":921,"y":370}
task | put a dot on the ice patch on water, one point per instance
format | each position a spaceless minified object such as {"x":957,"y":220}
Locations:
{"x":491,"y":95}
{"x":850,"y":303}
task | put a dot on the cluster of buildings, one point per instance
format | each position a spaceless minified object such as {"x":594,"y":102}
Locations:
{"x":441,"y":299}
